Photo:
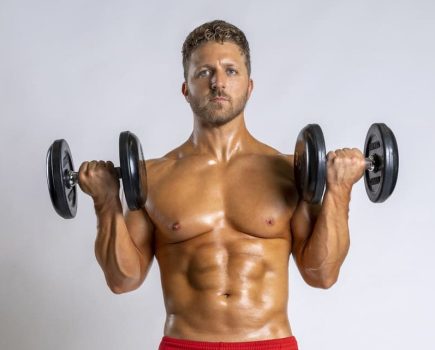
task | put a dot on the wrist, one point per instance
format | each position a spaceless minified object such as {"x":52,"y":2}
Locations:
{"x":109,"y":204}
{"x":340,"y":193}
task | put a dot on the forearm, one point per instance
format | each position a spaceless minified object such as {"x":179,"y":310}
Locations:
{"x":114,"y":249}
{"x":327,"y":246}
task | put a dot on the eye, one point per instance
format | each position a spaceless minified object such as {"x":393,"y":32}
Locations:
{"x":231,"y":71}
{"x":203,"y":73}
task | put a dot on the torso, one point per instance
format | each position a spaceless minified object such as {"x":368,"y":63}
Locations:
{"x":223,"y":242}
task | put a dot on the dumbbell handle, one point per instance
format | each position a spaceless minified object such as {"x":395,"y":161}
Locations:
{"x":72,"y":177}
{"x":371,"y":163}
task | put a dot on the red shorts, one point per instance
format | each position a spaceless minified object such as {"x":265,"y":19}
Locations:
{"x":288,"y":343}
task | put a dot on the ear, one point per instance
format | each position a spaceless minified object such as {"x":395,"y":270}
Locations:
{"x":250,"y":87}
{"x":185,"y":91}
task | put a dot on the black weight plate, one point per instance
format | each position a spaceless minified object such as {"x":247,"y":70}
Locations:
{"x":310,"y":163}
{"x":49,"y":173}
{"x":63,"y":196}
{"x":133,"y":170}
{"x":381,"y":144}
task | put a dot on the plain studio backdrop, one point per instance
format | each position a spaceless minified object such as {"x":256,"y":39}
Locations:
{"x":86,"y":70}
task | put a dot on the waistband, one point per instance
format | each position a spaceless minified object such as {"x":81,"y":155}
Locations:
{"x":169,"y":343}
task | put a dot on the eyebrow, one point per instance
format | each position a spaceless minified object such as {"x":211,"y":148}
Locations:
{"x":229,"y":64}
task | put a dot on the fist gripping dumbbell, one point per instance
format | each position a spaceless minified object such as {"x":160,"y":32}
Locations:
{"x":62,"y":179}
{"x":382,"y":163}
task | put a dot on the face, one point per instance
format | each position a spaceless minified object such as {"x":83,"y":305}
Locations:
{"x":218,"y":85}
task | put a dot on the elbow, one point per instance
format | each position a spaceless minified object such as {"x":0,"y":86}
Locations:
{"x":117,"y":289}
{"x":320,"y":280}
{"x":327,"y":283}
{"x":120,"y":289}
{"x":121,"y":282}
{"x":124,"y":287}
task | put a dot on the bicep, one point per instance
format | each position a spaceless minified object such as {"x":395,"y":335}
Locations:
{"x":302,"y":225}
{"x":141,"y":230}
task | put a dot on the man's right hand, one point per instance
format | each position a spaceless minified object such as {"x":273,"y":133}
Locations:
{"x":99,"y":179}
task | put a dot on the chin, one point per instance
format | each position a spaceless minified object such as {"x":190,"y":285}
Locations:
{"x":218,"y":120}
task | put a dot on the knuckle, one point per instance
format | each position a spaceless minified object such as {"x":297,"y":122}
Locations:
{"x":331,"y":155}
{"x":83,"y":166}
{"x":82,"y":177}
{"x":338,"y":160}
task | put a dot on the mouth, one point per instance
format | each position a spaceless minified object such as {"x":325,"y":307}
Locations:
{"x":219,"y":99}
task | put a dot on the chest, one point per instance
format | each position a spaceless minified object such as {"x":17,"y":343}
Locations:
{"x":256,"y":198}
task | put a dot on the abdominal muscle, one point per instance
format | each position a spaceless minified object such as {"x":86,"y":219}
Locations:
{"x":232,"y":289}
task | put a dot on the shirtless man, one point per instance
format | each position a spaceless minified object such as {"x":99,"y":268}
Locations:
{"x":222,"y":214}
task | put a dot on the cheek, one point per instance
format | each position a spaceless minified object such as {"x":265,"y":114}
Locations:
{"x":198,"y":89}
{"x":239,"y":88}
{"x":241,"y":83}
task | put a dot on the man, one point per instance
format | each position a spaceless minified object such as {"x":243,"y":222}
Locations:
{"x":222,"y":214}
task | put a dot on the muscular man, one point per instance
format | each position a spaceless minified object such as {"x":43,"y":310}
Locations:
{"x":223,"y":216}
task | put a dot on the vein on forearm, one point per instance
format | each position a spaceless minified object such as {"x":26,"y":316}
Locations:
{"x":329,"y":242}
{"x":114,"y":248}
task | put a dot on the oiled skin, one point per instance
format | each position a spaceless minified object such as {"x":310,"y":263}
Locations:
{"x":222,"y":218}
{"x":222,"y":241}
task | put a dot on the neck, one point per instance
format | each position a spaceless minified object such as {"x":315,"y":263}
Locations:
{"x":223,"y":142}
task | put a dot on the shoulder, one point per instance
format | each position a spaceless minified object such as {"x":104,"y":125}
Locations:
{"x":272,"y":153}
{"x":279,"y":163}
{"x":158,"y":168}
{"x":158,"y":165}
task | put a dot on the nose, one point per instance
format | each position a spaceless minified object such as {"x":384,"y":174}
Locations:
{"x":218,"y":80}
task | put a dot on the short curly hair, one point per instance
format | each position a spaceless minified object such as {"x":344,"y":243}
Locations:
{"x":218,"y":31}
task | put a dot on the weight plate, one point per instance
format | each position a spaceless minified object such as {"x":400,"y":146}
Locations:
{"x":58,"y":163}
{"x":133,"y":170}
{"x":310,"y":163}
{"x":381,"y":146}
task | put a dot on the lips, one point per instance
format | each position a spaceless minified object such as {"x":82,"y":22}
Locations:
{"x":219,"y":99}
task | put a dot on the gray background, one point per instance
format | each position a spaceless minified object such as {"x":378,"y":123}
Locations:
{"x":86,"y":70}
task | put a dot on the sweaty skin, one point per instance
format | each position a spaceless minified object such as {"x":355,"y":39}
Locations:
{"x":222,"y":217}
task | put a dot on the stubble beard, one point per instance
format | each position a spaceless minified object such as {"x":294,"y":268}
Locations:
{"x":218,"y":113}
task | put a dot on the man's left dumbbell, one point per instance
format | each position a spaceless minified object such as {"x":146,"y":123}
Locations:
{"x":382,"y":163}
{"x":62,"y":179}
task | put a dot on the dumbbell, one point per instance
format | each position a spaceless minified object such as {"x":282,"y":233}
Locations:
{"x":382,"y":163}
{"x":62,"y":179}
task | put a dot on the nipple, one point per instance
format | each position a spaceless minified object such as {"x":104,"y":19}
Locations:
{"x":176,"y":226}
{"x":270,"y":221}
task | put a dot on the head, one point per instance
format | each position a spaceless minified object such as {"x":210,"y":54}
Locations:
{"x":217,"y":70}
